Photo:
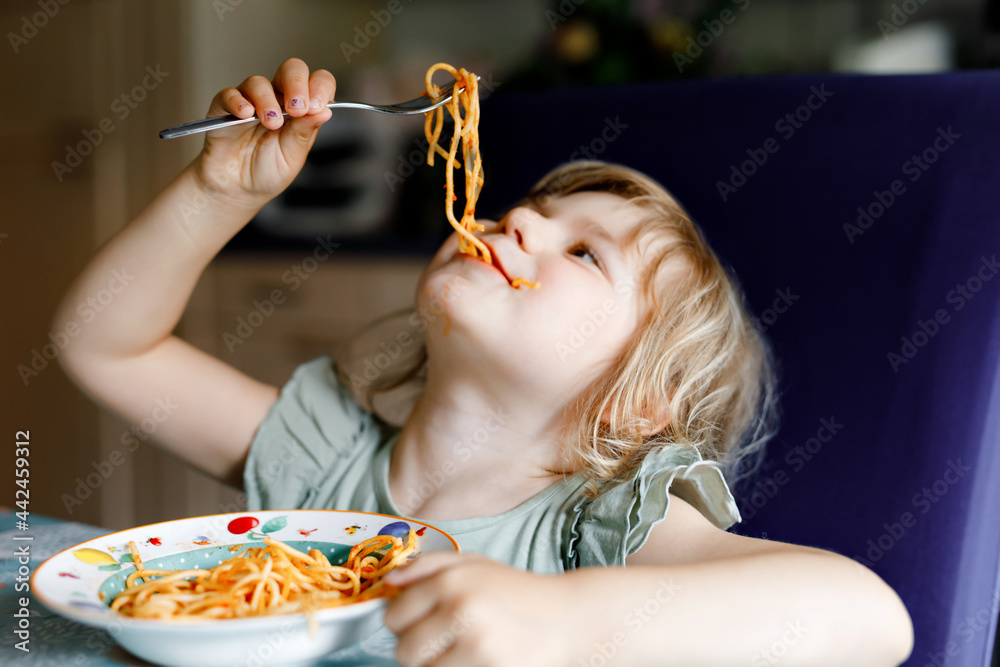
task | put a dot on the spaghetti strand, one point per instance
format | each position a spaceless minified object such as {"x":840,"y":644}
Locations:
{"x":464,"y":110}
{"x":274,"y":579}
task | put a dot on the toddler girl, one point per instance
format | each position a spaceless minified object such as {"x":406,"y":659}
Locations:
{"x":553,"y":430}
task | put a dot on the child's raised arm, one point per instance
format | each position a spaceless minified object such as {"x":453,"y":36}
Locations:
{"x":124,"y":356}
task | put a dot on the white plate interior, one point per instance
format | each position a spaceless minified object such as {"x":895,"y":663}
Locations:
{"x":80,"y":582}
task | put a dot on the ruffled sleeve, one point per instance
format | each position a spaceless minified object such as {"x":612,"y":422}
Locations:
{"x":615,"y":524}
{"x":307,"y":440}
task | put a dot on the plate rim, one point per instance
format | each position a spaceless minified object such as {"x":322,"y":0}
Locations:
{"x":103,"y":619}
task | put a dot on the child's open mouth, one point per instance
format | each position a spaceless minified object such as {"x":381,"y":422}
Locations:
{"x":482,"y":261}
{"x":498,"y":265}
{"x":494,"y":261}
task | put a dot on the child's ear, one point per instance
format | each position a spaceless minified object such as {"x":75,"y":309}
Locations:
{"x":660,"y":416}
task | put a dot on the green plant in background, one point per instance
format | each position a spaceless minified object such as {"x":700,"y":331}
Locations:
{"x":600,"y":42}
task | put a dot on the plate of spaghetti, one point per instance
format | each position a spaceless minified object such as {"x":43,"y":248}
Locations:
{"x":267,"y":588}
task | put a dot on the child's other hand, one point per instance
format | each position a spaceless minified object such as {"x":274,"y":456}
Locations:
{"x":256,"y":161}
{"x":469,"y":610}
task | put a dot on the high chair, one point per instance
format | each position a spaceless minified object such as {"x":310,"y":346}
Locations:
{"x":862,"y":216}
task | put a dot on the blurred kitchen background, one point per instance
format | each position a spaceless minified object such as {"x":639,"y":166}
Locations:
{"x":67,"y":64}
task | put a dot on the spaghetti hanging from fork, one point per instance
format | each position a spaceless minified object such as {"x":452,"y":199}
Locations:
{"x":464,"y":110}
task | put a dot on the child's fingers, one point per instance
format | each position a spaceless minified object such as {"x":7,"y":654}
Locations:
{"x":229,"y":100}
{"x":424,"y":566}
{"x":436,"y":633}
{"x":411,"y":605}
{"x":259,"y":91}
{"x":292,"y":81}
{"x":322,"y":87}
{"x":299,"y":135}
{"x":302,"y":93}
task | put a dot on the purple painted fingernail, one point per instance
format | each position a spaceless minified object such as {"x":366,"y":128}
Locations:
{"x":296,"y":102}
{"x":272,"y":114}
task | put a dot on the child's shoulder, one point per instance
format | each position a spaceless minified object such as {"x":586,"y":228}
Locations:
{"x":315,"y":377}
{"x":316,"y":391}
{"x":315,"y":429}
{"x":606,"y":529}
{"x":563,"y":529}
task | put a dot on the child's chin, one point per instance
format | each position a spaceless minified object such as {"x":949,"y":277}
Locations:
{"x":441,"y":290}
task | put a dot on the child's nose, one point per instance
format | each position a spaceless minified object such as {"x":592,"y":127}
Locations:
{"x":491,"y":226}
{"x":523,"y":224}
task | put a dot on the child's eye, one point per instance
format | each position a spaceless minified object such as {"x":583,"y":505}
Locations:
{"x":586,"y":250}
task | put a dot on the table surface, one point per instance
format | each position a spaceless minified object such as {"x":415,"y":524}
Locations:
{"x":60,"y":642}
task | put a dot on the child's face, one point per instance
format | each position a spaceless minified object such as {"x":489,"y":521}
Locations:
{"x":552,"y":340}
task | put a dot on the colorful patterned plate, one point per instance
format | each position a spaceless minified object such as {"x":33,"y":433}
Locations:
{"x":80,"y":582}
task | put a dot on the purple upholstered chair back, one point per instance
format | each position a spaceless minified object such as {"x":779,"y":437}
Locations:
{"x":862,"y":216}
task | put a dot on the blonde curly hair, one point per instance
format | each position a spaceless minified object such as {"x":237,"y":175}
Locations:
{"x":698,"y":350}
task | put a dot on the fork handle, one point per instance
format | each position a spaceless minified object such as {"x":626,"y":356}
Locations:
{"x":228,"y":120}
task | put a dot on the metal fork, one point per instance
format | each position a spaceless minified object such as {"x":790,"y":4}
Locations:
{"x":417,"y":105}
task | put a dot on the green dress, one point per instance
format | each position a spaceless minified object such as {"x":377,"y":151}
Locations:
{"x":319,"y":449}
